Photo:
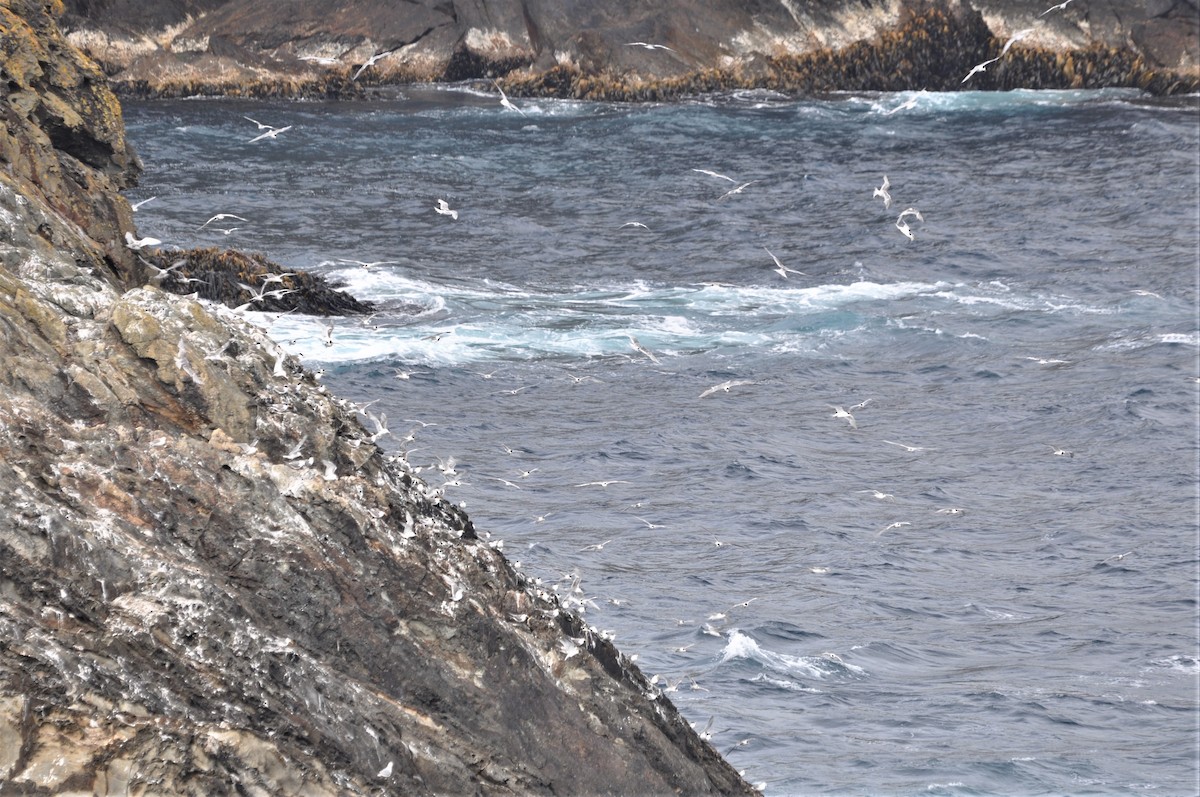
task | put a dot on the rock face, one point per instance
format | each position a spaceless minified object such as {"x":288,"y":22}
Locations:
{"x":211,"y":579}
{"x":288,"y":47}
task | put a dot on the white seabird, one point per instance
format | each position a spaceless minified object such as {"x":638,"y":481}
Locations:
{"x":840,"y":412}
{"x":138,"y":243}
{"x":882,"y":191}
{"x":726,"y":386}
{"x":780,"y":268}
{"x":505,"y":101}
{"x":272,"y":133}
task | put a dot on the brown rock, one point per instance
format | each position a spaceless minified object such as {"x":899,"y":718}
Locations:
{"x":243,"y":47}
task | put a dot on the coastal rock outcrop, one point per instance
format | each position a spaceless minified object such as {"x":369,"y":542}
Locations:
{"x":306,"y":47}
{"x":212,"y":579}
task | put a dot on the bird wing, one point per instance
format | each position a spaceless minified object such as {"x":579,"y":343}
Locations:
{"x":715,"y":174}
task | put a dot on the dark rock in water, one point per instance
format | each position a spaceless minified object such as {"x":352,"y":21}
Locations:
{"x":238,"y":279}
{"x":308,"y":47}
{"x":212,"y":580}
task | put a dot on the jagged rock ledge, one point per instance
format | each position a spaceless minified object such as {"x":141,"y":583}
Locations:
{"x":212,"y":578}
{"x":272,"y":48}
{"x":247,"y":281}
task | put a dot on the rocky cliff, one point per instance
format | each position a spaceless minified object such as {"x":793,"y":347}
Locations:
{"x":211,"y":579}
{"x":589,"y":49}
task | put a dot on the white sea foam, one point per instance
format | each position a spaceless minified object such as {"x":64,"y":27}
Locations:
{"x":421,"y":321}
{"x":741,"y":646}
{"x":1188,"y":339}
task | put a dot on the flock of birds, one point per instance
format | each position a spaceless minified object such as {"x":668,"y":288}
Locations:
{"x":568,"y":590}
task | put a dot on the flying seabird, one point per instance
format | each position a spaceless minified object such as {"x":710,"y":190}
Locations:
{"x":839,"y":412}
{"x":138,"y":243}
{"x":1060,"y":7}
{"x":365,"y":264}
{"x":908,"y":448}
{"x":648,"y":46}
{"x":505,"y":101}
{"x":444,"y":209}
{"x":219,"y":217}
{"x":134,"y":207}
{"x":272,"y":133}
{"x":638,"y":347}
{"x":902,"y":225}
{"x":979,"y":68}
{"x":737,"y":190}
{"x":908,"y":104}
{"x":1016,"y":37}
{"x":715,"y":174}
{"x":157,"y":274}
{"x":726,"y":386}
{"x":882,"y":191}
{"x":371,"y":62}
{"x":780,"y":268}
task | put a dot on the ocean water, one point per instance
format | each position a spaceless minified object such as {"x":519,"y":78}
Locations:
{"x":987,"y":584}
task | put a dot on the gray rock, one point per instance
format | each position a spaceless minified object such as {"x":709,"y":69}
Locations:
{"x":211,"y":581}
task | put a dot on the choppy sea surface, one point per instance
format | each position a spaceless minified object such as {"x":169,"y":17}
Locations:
{"x":985,"y":584}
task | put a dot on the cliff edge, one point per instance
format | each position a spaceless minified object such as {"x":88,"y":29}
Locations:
{"x":211,"y":579}
{"x":630,"y":50}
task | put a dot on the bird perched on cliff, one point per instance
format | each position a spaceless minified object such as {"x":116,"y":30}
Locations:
{"x":882,"y":191}
{"x":444,"y":209}
{"x":386,"y":772}
{"x":505,"y":101}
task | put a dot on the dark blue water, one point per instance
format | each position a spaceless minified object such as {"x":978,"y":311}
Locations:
{"x":988,"y":585}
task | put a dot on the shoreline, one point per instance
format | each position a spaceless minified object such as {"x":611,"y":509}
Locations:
{"x":906,"y":46}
